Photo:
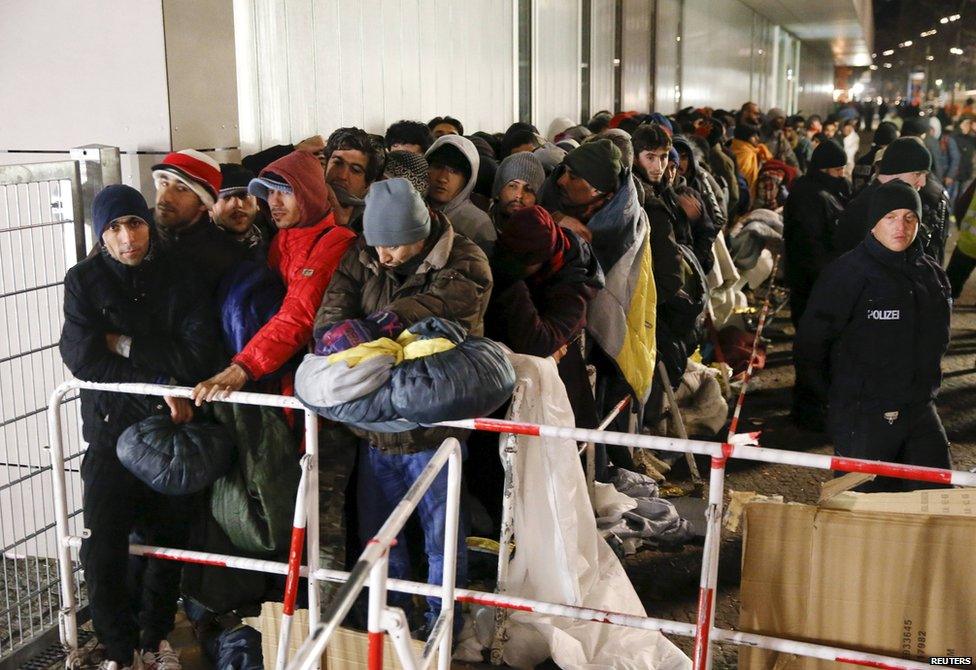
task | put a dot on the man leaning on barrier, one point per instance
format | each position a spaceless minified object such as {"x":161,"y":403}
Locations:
{"x":131,"y":315}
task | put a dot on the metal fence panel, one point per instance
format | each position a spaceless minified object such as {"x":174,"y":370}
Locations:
{"x":42,"y":234}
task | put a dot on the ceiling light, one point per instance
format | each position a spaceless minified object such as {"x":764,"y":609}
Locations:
{"x":930,"y":58}
{"x":929,"y":33}
{"x":872,"y":67}
{"x":906,"y":43}
{"x":944,"y":19}
{"x":888,"y":65}
{"x":954,"y":17}
{"x":938,"y":82}
{"x":955,"y":51}
{"x":888,"y":52}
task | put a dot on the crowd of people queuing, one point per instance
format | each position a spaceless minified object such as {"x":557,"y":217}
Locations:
{"x":586,"y":243}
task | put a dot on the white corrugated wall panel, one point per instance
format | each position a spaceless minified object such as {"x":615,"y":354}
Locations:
{"x":311,"y":66}
{"x":716,"y":49}
{"x":555,"y":61}
{"x":816,"y":81}
{"x":602,"y":28}
{"x":635,"y":75}
{"x":667,"y":24}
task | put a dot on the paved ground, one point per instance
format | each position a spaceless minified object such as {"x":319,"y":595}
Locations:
{"x":668,"y":582}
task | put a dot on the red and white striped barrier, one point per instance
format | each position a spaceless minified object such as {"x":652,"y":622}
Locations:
{"x":373,"y":561}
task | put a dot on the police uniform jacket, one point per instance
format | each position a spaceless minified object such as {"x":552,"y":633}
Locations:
{"x":876,"y":328}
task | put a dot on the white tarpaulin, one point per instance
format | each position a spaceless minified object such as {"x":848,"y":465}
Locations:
{"x":560,"y":556}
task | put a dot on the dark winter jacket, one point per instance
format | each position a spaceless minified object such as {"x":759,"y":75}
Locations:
{"x":664,"y":248}
{"x":538,"y":315}
{"x":864,"y":169}
{"x":697,"y":178}
{"x":166,"y":313}
{"x":206,"y":250}
{"x":698,"y":235}
{"x":963,"y":170}
{"x":809,"y":219}
{"x":876,"y":328}
{"x":452,"y":282}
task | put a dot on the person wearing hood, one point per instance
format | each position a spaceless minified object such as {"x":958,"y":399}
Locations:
{"x":132,"y":314}
{"x":907,"y":160}
{"x":773,"y":136}
{"x":593,"y":192}
{"x":872,"y":339}
{"x":809,"y":217}
{"x":749,"y":154}
{"x":454,"y":163}
{"x":187,"y":187}
{"x":863,"y":172}
{"x":408,"y":265}
{"x":236,"y":212}
{"x":698,"y":178}
{"x":304,"y":253}
{"x":656,"y":166}
{"x":517,"y":183}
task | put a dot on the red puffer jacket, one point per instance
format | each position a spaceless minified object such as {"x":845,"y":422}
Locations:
{"x":305,"y":257}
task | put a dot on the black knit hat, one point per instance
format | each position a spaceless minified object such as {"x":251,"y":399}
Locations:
{"x":896,"y":194}
{"x":915,"y":126}
{"x":906,"y":154}
{"x":235,"y":179}
{"x":828,"y":155}
{"x":597,"y":162}
{"x":886,"y":133}
{"x":450,"y":156}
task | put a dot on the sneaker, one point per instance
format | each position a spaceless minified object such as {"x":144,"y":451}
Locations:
{"x":165,"y":658}
{"x":114,"y":665}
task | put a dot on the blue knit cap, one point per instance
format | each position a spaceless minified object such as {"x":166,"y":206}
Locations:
{"x":114,"y":202}
{"x":395,"y":214}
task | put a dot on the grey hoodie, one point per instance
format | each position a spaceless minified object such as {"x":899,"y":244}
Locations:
{"x":464,"y":215}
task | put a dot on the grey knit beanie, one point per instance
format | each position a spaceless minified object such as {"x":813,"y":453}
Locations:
{"x":523,"y":165}
{"x":395,"y":214}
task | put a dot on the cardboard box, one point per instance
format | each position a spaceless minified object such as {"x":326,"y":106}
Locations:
{"x":347,"y":649}
{"x":898,"y":582}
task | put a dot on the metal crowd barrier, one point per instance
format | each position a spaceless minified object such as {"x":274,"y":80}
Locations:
{"x":372,"y":562}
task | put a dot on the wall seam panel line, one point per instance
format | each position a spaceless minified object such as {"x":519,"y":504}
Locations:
{"x":169,"y":98}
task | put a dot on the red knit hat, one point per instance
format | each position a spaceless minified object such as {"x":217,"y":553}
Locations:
{"x":531,"y":234}
{"x":195,"y":169}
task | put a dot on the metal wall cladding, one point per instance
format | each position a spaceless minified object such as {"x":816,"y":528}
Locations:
{"x":556,"y":32}
{"x":311,"y":66}
{"x":667,"y":25}
{"x":816,"y":81}
{"x":718,"y":53}
{"x":74,"y":73}
{"x":602,"y":50}
{"x":636,"y":58}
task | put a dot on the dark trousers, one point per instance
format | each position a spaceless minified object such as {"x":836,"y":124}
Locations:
{"x":116,"y":503}
{"x":914,"y":437}
{"x":808,"y":410}
{"x":959,"y":268}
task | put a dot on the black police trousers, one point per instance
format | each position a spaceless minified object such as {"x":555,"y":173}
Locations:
{"x":914,"y":436}
{"x":129,"y":612}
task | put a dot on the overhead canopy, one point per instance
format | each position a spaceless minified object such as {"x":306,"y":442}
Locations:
{"x":845,"y":26}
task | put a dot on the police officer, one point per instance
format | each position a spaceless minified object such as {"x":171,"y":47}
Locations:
{"x":872,"y":339}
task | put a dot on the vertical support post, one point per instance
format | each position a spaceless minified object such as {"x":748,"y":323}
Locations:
{"x":377,"y":603}
{"x":453,"y":512}
{"x":294,"y":564}
{"x":312,"y":512}
{"x":678,"y":421}
{"x":68,"y":614}
{"x":709,"y":576}
{"x":509,"y":453}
